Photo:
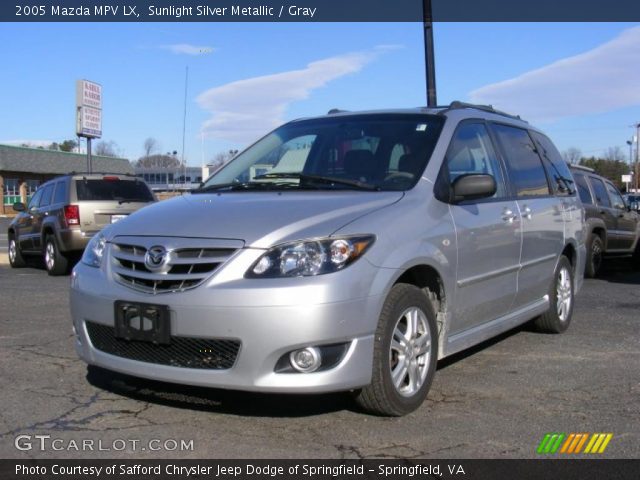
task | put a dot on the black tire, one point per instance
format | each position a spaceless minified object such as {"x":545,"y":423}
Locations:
{"x":54,"y":261}
{"x":595,"y":249}
{"x":635,"y":259}
{"x":558,"y":317}
{"x":16,"y":260}
{"x":382,"y":396}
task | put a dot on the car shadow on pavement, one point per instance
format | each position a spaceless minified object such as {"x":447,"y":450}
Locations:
{"x":619,"y":270}
{"x":216,"y":400}
{"x":457,"y":357}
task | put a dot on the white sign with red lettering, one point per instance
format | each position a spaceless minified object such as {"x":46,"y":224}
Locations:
{"x":89,"y":109}
{"x":89,"y":122}
{"x":88,"y":94}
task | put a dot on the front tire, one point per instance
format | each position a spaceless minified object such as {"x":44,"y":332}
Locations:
{"x":561,"y":296}
{"x":595,"y":250}
{"x":54,"y":261}
{"x":635,"y":259}
{"x":16,"y":260}
{"x":404,"y":356}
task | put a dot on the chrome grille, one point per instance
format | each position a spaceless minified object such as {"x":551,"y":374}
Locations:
{"x":187,"y":267}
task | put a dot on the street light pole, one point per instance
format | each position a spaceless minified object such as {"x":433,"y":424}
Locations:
{"x":635,"y":170}
{"x":429,"y":54}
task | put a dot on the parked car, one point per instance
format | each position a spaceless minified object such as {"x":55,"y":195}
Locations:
{"x":65,"y":213}
{"x":394,"y":239}
{"x":633,"y":201}
{"x":613,"y":228}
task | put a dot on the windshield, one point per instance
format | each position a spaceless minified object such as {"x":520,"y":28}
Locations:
{"x":363,"y":152}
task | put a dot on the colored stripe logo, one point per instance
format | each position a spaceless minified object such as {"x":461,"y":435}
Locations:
{"x":574,"y":443}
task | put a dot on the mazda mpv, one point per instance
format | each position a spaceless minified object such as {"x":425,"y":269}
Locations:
{"x":347,"y":252}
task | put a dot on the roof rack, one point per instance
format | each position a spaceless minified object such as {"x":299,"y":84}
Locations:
{"x":456,"y":105}
{"x":73,"y":172}
{"x":582,"y":167}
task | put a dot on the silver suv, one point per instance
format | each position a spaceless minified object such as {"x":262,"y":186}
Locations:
{"x":346,"y":252}
{"x":66,"y":212}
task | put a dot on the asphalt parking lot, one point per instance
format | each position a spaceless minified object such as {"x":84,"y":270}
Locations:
{"x":495,"y":401}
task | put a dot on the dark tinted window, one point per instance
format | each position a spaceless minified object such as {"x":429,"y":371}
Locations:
{"x":47,"y":192}
{"x":60,"y":196}
{"x":557,"y":168}
{"x":583,"y":188}
{"x":113,"y":190}
{"x":615,"y":196}
{"x":525,"y":167}
{"x":600,"y":192}
{"x":471,"y":151}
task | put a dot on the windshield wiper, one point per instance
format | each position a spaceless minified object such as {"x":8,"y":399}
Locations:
{"x":131,"y":200}
{"x":242,"y":186}
{"x":322,"y":179}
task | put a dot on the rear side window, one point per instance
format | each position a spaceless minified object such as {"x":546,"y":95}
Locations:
{"x":600,"y":192}
{"x":615,"y":196}
{"x":525,"y":167}
{"x":557,"y":168}
{"x":60,"y":195}
{"x":583,"y":188}
{"x":99,"y":189}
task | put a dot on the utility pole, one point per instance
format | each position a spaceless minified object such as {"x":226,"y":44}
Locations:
{"x":635,"y":170}
{"x":184,"y":124}
{"x":429,"y":55}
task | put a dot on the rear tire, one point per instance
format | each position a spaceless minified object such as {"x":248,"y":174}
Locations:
{"x":595,"y":249}
{"x":16,"y":260}
{"x":54,"y":261}
{"x":404,"y":356}
{"x":561,"y":299}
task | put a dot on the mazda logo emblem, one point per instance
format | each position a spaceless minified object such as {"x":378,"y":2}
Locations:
{"x":156,"y":259}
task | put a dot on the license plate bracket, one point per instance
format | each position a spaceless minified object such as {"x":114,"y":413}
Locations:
{"x":144,"y":322}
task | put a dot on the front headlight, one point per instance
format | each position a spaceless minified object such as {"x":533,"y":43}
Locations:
{"x":94,"y":251}
{"x":310,"y":257}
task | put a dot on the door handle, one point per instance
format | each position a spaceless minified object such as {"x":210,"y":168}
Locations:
{"x":526,"y":213}
{"x":508,"y":215}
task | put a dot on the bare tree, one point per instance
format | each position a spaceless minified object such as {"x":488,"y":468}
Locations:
{"x":150,"y":146}
{"x":615,"y":154}
{"x":106,"y":149}
{"x":572,"y":155}
{"x":221,"y":159}
{"x":158,"y":161}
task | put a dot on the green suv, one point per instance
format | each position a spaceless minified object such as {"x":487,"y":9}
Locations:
{"x":67,"y":211}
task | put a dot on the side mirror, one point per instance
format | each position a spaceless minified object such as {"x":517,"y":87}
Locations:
{"x":19,"y":207}
{"x":473,"y":187}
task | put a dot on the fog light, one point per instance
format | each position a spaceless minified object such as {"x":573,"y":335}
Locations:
{"x":306,"y":360}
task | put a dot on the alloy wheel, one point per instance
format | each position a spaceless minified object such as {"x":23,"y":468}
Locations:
{"x":563,"y":294}
{"x":410,"y":351}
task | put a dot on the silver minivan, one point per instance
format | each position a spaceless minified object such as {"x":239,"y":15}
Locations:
{"x":347,"y":252}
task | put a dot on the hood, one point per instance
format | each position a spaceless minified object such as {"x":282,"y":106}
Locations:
{"x":260,"y":219}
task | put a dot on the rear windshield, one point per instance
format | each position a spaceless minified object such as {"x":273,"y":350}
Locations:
{"x":118,"y":190}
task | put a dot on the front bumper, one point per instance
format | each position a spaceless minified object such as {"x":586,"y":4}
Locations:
{"x":270,"y":317}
